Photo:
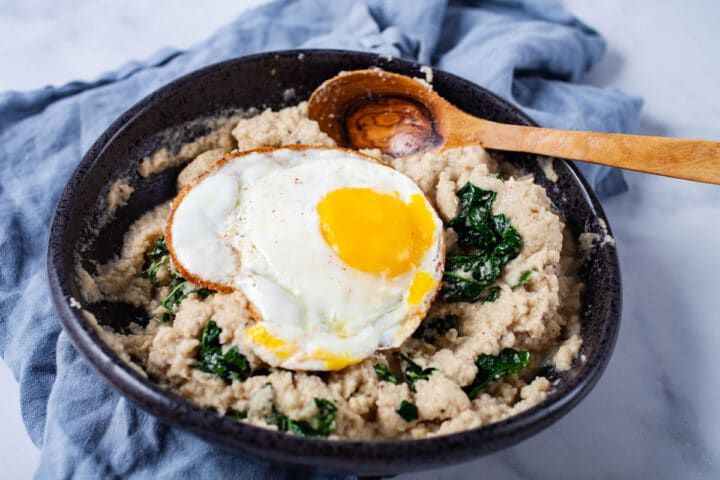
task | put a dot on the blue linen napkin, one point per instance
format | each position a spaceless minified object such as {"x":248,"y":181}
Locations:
{"x":527,"y":51}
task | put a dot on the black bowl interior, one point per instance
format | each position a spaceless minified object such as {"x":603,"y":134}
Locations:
{"x":260,"y":81}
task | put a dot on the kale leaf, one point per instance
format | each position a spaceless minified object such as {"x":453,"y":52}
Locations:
{"x":231,"y":365}
{"x":492,"y":295}
{"x":523,"y":278}
{"x":414,"y":372}
{"x":155,"y":259}
{"x":510,"y":244}
{"x":471,"y":223}
{"x":490,"y":242}
{"x":467,"y":276}
{"x":321,"y":425}
{"x":180,"y":289}
{"x":383,"y":371}
{"x":324,"y":422}
{"x":491,"y":367}
{"x":408,"y":411}
{"x":411,"y":373}
{"x":236,"y":415}
{"x":430,"y":330}
{"x":203,"y":292}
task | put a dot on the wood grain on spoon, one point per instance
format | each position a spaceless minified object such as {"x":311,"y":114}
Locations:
{"x":400,"y":116}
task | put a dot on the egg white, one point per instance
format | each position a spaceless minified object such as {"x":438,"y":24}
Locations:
{"x":252,"y":224}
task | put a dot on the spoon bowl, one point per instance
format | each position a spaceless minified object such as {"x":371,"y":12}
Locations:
{"x":377,"y":109}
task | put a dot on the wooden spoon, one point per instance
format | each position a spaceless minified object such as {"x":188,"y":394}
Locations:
{"x":400,"y":116}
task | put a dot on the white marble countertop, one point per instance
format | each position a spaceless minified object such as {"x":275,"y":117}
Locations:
{"x":654,"y":412}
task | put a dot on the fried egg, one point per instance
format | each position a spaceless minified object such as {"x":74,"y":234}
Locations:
{"x":337,"y":254}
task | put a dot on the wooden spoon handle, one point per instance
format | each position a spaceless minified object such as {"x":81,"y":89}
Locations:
{"x":697,"y":160}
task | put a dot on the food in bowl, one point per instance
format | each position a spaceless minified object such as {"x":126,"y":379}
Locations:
{"x":499,"y":278}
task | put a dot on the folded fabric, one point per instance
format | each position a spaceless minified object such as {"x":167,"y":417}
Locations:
{"x":526,"y":51}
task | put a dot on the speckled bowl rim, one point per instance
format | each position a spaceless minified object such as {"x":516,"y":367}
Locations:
{"x":376,"y":457}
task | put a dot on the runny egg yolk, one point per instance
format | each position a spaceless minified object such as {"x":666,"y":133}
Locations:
{"x":422,"y":283}
{"x":376,"y":232}
{"x":260,"y":336}
{"x":335,"y":361}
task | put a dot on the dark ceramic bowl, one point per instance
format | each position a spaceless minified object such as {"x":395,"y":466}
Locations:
{"x":259,"y":81}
